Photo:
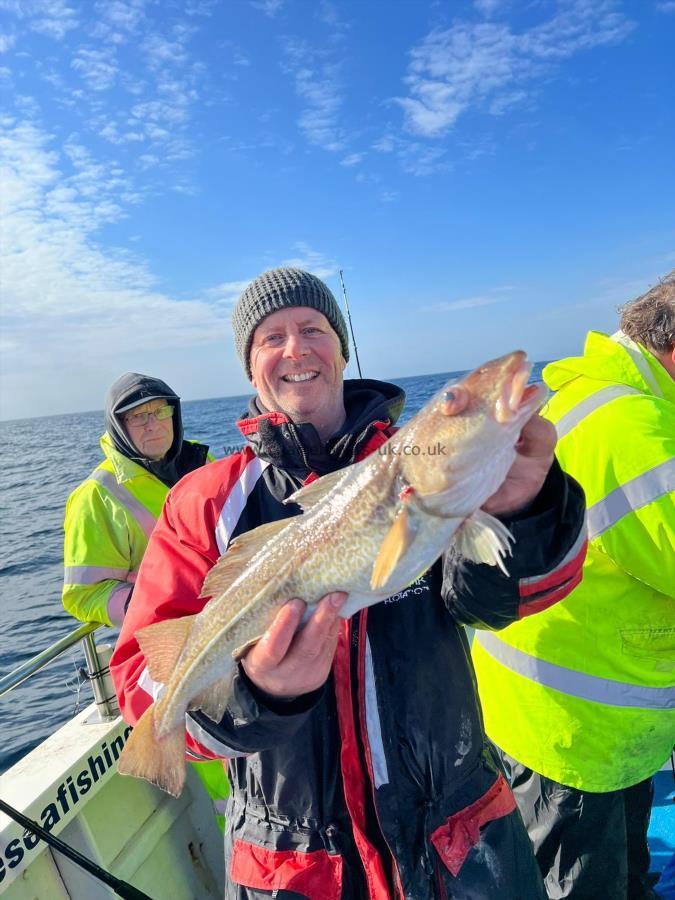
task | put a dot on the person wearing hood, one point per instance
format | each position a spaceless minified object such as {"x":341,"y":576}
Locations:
{"x":110,"y":516}
{"x":581,"y":698}
{"x":355,"y":747}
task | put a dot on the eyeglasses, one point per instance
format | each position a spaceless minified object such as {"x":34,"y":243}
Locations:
{"x":142,"y":418}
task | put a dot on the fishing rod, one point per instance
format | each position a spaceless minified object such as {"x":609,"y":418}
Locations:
{"x":121,"y":888}
{"x":349,"y":318}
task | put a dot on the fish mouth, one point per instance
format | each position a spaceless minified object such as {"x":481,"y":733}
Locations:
{"x":515,"y":394}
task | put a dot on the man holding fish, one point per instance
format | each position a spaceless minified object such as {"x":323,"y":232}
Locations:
{"x":355,"y":744}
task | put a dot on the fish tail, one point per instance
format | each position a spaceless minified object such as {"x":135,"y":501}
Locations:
{"x":159,"y":760}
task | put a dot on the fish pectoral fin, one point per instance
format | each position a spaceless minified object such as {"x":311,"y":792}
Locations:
{"x":313,"y":493}
{"x":213,"y":700}
{"x":243,"y":650}
{"x":397,"y":541}
{"x":162,"y":643}
{"x":158,"y":760}
{"x":238,"y":555}
{"x":483,"y":539}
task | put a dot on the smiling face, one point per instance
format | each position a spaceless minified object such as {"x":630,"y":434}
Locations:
{"x":296,"y":368}
{"x":154,"y":439}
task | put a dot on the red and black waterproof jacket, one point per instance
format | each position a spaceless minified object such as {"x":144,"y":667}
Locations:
{"x":382,"y":783}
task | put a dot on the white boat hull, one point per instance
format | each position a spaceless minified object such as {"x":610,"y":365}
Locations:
{"x":165,"y":847}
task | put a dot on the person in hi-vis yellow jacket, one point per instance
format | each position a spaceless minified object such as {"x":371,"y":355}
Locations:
{"x":110,"y":516}
{"x":581,"y":697}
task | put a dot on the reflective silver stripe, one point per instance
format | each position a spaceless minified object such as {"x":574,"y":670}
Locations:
{"x":234,"y":505}
{"x":196,"y":757}
{"x":202,"y":736}
{"x":585,"y":407}
{"x":626,"y":498}
{"x":92,"y":574}
{"x":143,"y":516}
{"x":220,"y":807}
{"x":373,"y":727}
{"x":117,"y":602}
{"x":640,"y":361}
{"x":576,"y":684}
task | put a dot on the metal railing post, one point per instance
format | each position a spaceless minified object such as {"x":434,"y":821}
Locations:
{"x":98,"y":671}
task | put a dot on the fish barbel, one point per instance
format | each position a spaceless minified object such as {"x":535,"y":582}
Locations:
{"x":370,"y":529}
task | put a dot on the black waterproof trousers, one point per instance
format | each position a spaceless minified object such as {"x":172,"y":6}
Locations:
{"x":588,"y":846}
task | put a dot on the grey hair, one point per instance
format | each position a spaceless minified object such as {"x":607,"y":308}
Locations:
{"x":650,"y":318}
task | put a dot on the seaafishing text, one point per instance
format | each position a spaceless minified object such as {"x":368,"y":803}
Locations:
{"x":66,"y":797}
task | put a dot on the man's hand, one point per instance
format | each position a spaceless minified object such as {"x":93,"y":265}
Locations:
{"x":534,"y":456}
{"x":286,"y":664}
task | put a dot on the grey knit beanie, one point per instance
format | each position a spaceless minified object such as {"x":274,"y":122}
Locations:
{"x":280,"y":289}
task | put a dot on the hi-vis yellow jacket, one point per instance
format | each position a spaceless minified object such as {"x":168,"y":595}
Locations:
{"x":584,"y":692}
{"x":109,"y":519}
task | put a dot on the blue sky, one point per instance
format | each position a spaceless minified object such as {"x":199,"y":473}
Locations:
{"x":489,"y":175}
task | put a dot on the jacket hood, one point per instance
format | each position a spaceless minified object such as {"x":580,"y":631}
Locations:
{"x":128,"y":391}
{"x":370,"y":406}
{"x":615,"y":359}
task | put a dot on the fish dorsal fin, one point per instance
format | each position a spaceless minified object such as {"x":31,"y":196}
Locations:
{"x":484,"y":539}
{"x":162,"y":644}
{"x":398,"y":539}
{"x":238,"y":555}
{"x":313,"y":493}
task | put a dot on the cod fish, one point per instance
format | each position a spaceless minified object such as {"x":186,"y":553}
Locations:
{"x":370,"y":529}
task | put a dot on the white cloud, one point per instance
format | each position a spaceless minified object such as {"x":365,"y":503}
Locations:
{"x":489,"y":65}
{"x":97,"y":67}
{"x":504,"y":102}
{"x":666,"y":6}
{"x":53,"y":18}
{"x":385,"y":144}
{"x":54,"y":271}
{"x":67,"y":299}
{"x":317,"y":82}
{"x":414,"y":157}
{"x":200,"y":7}
{"x":125,"y":16}
{"x":269,"y":7}
{"x":311,"y":261}
{"x":352,"y":159}
{"x":465,"y":303}
{"x":227,"y":293}
{"x":329,"y":14}
{"x":161,"y":51}
{"x":6,"y":42}
{"x":488,"y":7}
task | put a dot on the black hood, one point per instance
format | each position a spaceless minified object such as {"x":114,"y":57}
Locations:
{"x":299,"y":449}
{"x":132,"y":389}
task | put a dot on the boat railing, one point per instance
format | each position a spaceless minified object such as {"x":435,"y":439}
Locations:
{"x":97,"y":672}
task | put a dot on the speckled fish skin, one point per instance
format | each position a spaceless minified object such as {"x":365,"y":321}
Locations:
{"x":335,"y":543}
